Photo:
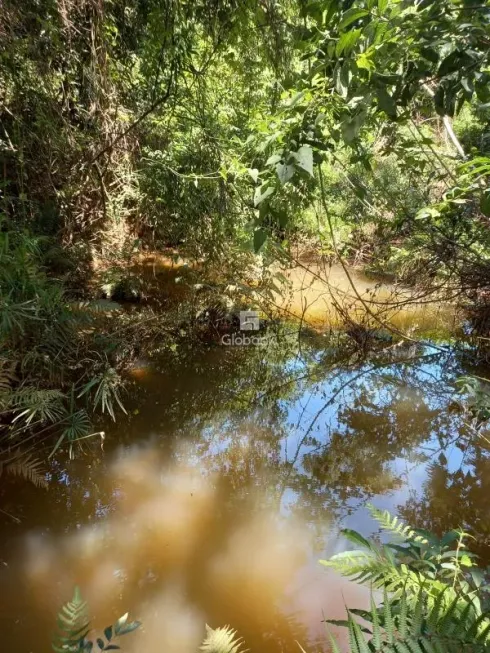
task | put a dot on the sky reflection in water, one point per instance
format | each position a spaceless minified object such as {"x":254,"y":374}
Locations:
{"x":234,"y":473}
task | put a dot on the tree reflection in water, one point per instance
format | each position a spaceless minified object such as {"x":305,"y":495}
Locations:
{"x":290,"y":442}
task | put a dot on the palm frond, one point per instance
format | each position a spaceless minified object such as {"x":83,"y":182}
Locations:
{"x":106,"y":395}
{"x":77,"y":428}
{"x":15,"y":316}
{"x":7,"y":377}
{"x":35,"y":403}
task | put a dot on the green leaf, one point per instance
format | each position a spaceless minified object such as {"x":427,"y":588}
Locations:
{"x":260,"y":236}
{"x":403,"y":613}
{"x":295,"y":99}
{"x":351,"y":15}
{"x":260,"y":195}
{"x":333,"y":643}
{"x":343,"y":77}
{"x":285,"y":172}
{"x":385,"y":102}
{"x":467,"y":84}
{"x":304,"y":157}
{"x":275,"y":158}
{"x":282,"y":217}
{"x":382,"y":5}
{"x":356,"y":636}
{"x":108,"y":633}
{"x":485,"y":203}
{"x":120,"y":623}
{"x":450,"y":64}
{"x":128,"y":628}
{"x":450,"y":536}
{"x":426,"y":213}
{"x":357,"y":538}
{"x":365,"y":62}
{"x":254,"y":173}
{"x":430,"y":54}
{"x":351,"y":127}
{"x":377,"y":637}
{"x":477,"y":576}
{"x":388,"y":618}
{"x":347,"y":41}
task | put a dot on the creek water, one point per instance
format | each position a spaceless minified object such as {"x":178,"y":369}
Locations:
{"x":213,"y":500}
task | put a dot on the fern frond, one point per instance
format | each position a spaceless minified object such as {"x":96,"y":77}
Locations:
{"x":7,"y":375}
{"x":73,"y":625}
{"x":374,"y":569}
{"x":221,"y":640}
{"x":395,"y":526}
{"x":440,"y":628}
{"x":28,"y":468}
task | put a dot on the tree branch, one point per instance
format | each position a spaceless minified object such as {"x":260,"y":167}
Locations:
{"x":153,"y":107}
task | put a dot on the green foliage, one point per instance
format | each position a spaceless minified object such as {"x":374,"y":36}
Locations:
{"x":27,"y":467}
{"x":117,"y":131}
{"x":396,"y":527}
{"x":204,"y":127}
{"x":381,"y":84}
{"x":427,"y":626}
{"x":434,"y":595}
{"x":474,"y":397}
{"x":419,"y":556}
{"x":42,"y":334}
{"x":74,"y":626}
{"x":106,"y":394}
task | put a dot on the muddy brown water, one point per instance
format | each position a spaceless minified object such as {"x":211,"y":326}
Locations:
{"x":231,"y":476}
{"x":316,"y":291}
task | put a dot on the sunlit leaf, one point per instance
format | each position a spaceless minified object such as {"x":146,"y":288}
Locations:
{"x":262,"y":194}
{"x":351,"y":15}
{"x":304,"y":158}
{"x":285,"y":172}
